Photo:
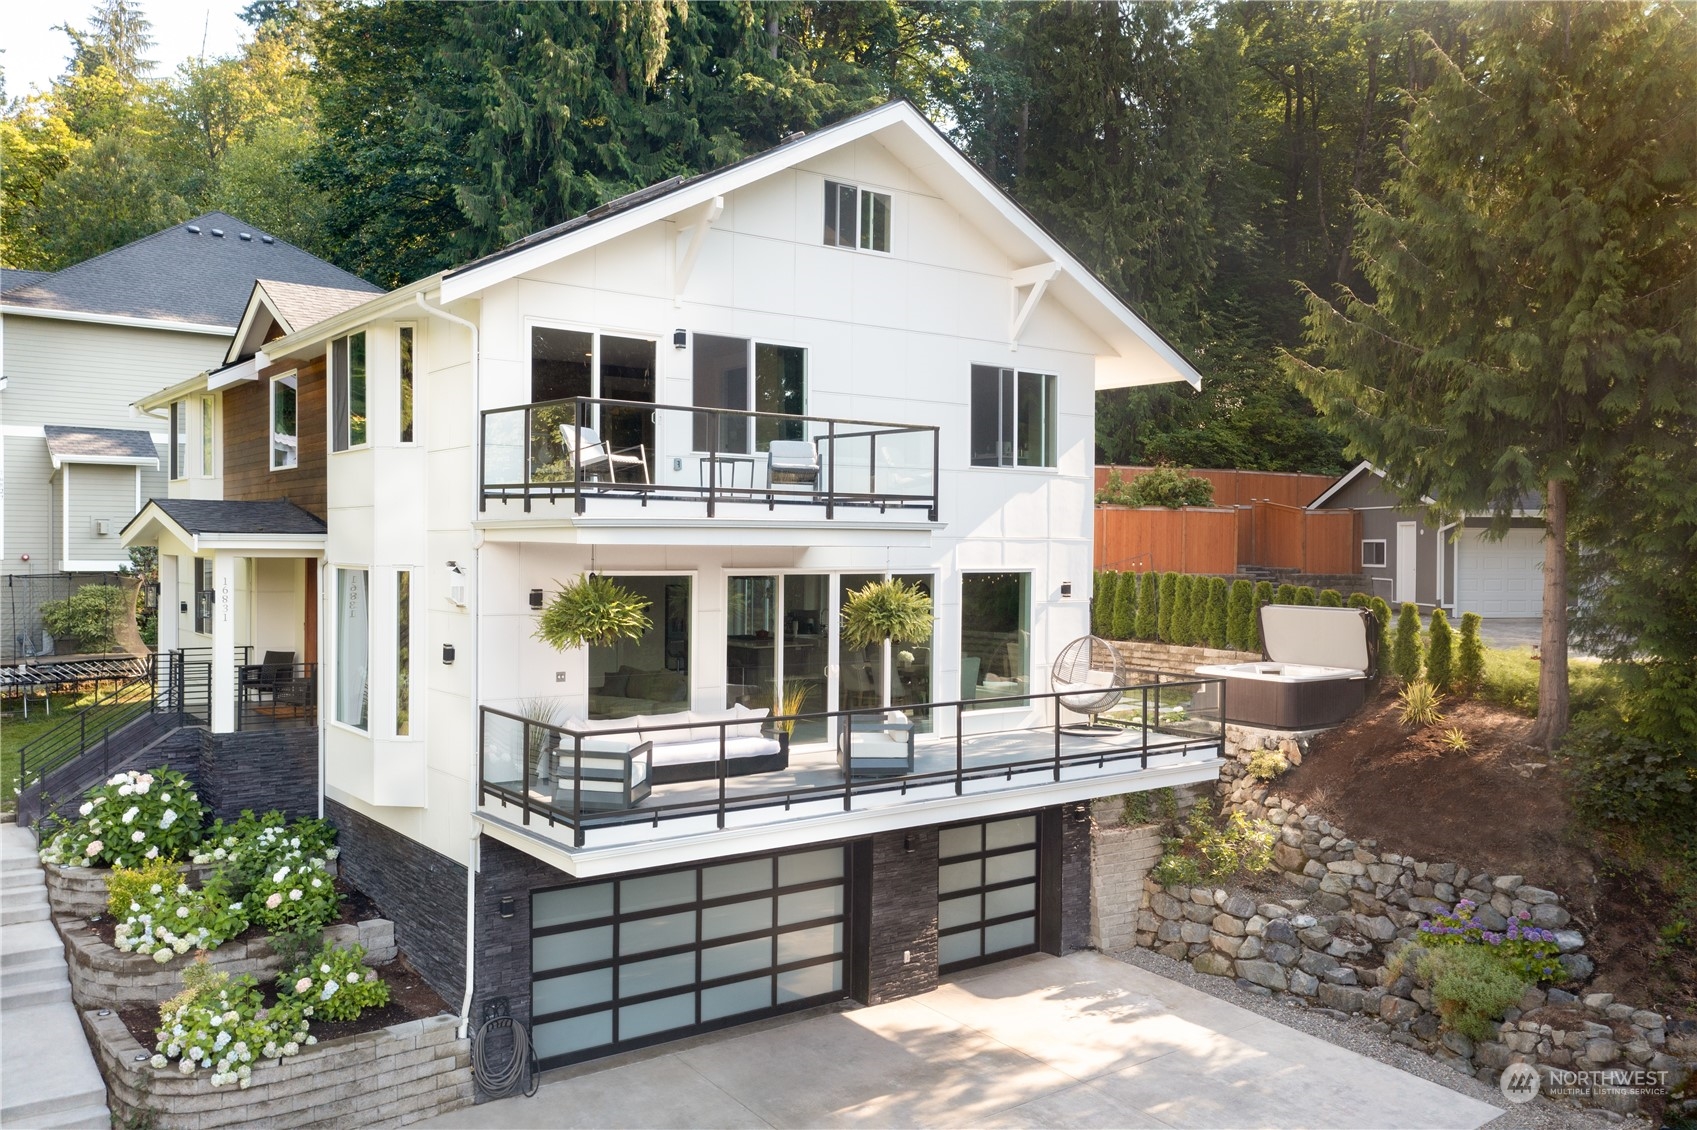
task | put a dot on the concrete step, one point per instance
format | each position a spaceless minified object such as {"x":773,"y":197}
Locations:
{"x":27,"y":996}
{"x":20,"y":897}
{"x":83,"y":1118}
{"x":51,"y":1073}
{"x":48,"y":969}
{"x":11,"y":864}
{"x":30,"y":943}
{"x":16,"y":914}
{"x":22,"y":878}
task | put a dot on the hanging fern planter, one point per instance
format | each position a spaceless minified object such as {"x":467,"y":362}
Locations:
{"x":886,"y":610}
{"x":592,"y":610}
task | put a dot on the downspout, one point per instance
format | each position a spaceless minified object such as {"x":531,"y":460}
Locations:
{"x":1446,"y":582}
{"x":472,"y":844}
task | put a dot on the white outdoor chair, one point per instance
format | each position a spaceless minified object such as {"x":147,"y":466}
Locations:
{"x":792,"y":461}
{"x":597,"y":459}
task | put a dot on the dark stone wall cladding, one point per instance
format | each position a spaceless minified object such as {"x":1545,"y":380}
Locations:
{"x":422,"y":891}
{"x":904,"y":915}
{"x":503,"y":944}
{"x":1075,"y":877}
{"x":261,"y":770}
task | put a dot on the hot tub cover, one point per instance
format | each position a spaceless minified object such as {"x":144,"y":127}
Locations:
{"x":1346,"y":638}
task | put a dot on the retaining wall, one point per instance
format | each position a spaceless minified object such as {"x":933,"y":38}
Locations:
{"x":394,"y":1076}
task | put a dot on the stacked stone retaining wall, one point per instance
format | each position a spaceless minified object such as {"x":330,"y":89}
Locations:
{"x":394,"y":1076}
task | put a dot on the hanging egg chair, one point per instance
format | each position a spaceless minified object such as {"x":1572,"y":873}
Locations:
{"x":1089,"y":676}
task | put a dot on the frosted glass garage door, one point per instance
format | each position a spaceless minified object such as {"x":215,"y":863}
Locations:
{"x":636,"y":961}
{"x":986,"y":892}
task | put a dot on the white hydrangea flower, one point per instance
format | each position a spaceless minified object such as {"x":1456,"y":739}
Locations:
{"x":137,"y":836}
{"x":130,"y":816}
{"x":158,"y":1061}
{"x":86,"y":808}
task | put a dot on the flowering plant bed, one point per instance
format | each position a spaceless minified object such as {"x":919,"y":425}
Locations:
{"x":132,"y":817}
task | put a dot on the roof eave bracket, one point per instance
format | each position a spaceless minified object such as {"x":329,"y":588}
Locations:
{"x":1037,"y":278}
{"x":696,"y":227}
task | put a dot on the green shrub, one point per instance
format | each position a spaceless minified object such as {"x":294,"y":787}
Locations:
{"x":1267,"y":763}
{"x":1405,"y":645}
{"x":1166,"y":603}
{"x":1206,"y":853}
{"x":1125,"y":606}
{"x":1627,"y":778}
{"x":126,"y":884}
{"x":1382,"y":613}
{"x":1440,"y":649}
{"x":1145,"y":624}
{"x":1305,"y":596}
{"x":334,"y":984}
{"x":1331,"y":598}
{"x":1470,"y":657}
{"x":1420,"y":701}
{"x":1358,"y":600}
{"x":1286,"y":594}
{"x":172,"y":918}
{"x":1174,"y":868}
{"x":1162,"y":485}
{"x":1198,"y":612}
{"x":1102,"y":602}
{"x":1263,"y":597}
{"x":1240,"y":609}
{"x":1215,"y":625}
{"x":225,"y":1024}
{"x":131,"y":817}
{"x":90,"y":616}
{"x":1471,"y":987}
{"x":1181,"y":609}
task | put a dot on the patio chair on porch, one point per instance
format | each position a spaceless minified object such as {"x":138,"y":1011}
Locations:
{"x":793,"y":462}
{"x":261,"y":679}
{"x":596,"y":459}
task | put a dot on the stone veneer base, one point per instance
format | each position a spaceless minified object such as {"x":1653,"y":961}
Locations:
{"x":400,"y":1074}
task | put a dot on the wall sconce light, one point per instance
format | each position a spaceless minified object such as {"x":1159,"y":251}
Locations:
{"x":907,"y":843}
{"x":448,"y":653}
{"x":506,"y":906}
{"x":536,"y":598}
{"x":1066,"y":590}
{"x":182,"y":606}
{"x":680,"y":339}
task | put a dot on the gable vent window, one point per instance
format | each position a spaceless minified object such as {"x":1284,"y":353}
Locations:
{"x":856,"y":217}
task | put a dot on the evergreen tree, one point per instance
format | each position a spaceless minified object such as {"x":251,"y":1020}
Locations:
{"x":1305,"y":596}
{"x":1525,"y":326}
{"x":1263,"y":597}
{"x":1166,"y":605}
{"x":1102,"y":588}
{"x":1125,"y":606}
{"x":1181,"y":609}
{"x":1331,"y":598}
{"x":1285,"y":595}
{"x":1146,"y":602}
{"x":1216,"y":622}
{"x":1358,"y":600}
{"x":1440,"y":650}
{"x":1405,"y":646}
{"x":1381,"y":610}
{"x":1240,"y":606}
{"x":1470,"y":658}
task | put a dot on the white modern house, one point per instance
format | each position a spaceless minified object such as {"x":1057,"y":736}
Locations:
{"x":740,"y":396}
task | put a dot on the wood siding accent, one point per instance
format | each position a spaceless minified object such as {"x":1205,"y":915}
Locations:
{"x":247,"y":441}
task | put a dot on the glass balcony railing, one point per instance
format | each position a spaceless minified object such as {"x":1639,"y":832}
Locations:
{"x":585,"y":451}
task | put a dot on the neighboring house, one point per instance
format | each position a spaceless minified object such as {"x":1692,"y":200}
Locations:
{"x":80,"y":346}
{"x":1415,"y":554}
{"x":742,"y":395}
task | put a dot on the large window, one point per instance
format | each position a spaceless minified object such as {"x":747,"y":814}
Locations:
{"x":995,"y":637}
{"x":649,"y":675}
{"x":353,"y":647}
{"x":1013,"y":418}
{"x":406,"y":383}
{"x":285,"y":422}
{"x":403,"y":653}
{"x":722,"y":380}
{"x":569,"y":363}
{"x":856,"y":217}
{"x":347,"y":383}
{"x":179,"y":439}
{"x":208,"y":453}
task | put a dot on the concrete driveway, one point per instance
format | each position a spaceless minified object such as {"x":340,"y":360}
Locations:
{"x":1076,"y":1041}
{"x":1511,"y":631}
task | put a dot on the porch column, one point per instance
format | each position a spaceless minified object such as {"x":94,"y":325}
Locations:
{"x":170,"y":619}
{"x":223,"y":642}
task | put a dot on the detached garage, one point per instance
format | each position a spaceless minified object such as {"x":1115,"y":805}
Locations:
{"x":1500,"y":578}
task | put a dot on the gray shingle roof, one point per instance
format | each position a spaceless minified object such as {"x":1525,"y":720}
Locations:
{"x":11,"y":278}
{"x":100,"y":443}
{"x":185,"y":273}
{"x":214,"y":516}
{"x":303,"y":306}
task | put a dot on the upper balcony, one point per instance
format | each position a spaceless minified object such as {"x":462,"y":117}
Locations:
{"x":588,"y":461}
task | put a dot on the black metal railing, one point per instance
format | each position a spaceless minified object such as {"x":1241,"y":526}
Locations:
{"x":89,"y":727}
{"x":583,"y":448}
{"x":1160,"y":718}
{"x":184,"y":683}
{"x":276,"y":695}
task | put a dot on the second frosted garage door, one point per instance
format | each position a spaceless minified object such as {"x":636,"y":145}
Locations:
{"x":986,"y":892}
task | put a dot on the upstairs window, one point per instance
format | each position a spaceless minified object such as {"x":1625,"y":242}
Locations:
{"x":406,"y":384}
{"x":285,"y":422}
{"x":856,"y":217}
{"x":208,"y":452}
{"x":347,"y":384}
{"x":1013,"y":418}
{"x":179,"y":439}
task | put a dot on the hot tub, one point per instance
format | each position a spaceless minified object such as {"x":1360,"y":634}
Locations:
{"x":1319,"y":666}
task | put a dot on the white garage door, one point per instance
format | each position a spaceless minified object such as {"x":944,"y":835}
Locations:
{"x":1501,"y":578}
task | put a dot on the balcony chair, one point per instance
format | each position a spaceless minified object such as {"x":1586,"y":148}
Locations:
{"x":793,"y":462}
{"x":261,"y":679}
{"x":597,"y":459}
{"x":876,"y":745}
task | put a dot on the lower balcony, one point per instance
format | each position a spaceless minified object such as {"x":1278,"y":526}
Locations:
{"x":598,"y":797}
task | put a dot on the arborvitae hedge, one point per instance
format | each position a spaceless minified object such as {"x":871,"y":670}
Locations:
{"x":1285,"y":595}
{"x":1263,"y":596}
{"x":1440,"y":648}
{"x":1146,"y":606}
{"x":1359,"y":600}
{"x":1240,"y":608}
{"x":1217,"y":612}
{"x":1125,"y":606}
{"x":1166,"y":603}
{"x":1198,"y":612}
{"x":1305,"y":596}
{"x":1470,"y":660}
{"x":1405,"y":645}
{"x":1382,"y":613}
{"x":1331,"y":598}
{"x":1102,"y":602}
{"x":1181,"y":609}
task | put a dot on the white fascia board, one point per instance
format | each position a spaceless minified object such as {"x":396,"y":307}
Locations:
{"x":262,"y":545}
{"x":779,"y":835}
{"x":1349,"y":476}
{"x":140,"y":529}
{"x":257,"y":302}
{"x":117,"y":320}
{"x":706,"y":532}
{"x":163,"y":398}
{"x":106,"y":461}
{"x":237,"y":374}
{"x":94,"y":566}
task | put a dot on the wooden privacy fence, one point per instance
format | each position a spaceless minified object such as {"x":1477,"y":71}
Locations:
{"x":1242,"y":488}
{"x":1222,"y":540}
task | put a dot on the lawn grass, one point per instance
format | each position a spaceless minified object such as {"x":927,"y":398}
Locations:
{"x":1511,"y":680}
{"x":17,"y":732}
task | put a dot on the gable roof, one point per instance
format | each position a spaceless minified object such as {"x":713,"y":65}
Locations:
{"x":11,"y":278}
{"x":1143,"y":356}
{"x":289,"y":307}
{"x":100,"y":445}
{"x":203,"y":523}
{"x":197,"y":273}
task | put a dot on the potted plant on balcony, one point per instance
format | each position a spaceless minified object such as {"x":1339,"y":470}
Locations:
{"x":881,"y":611}
{"x":592,"y":610}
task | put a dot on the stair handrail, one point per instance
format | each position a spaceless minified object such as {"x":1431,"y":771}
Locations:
{"x":77,"y":735}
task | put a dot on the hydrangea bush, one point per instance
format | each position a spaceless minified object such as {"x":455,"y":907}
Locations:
{"x":335,"y":984}
{"x":166,"y":919}
{"x":133,"y":817}
{"x":1526,"y":950}
{"x":223,"y":1025}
